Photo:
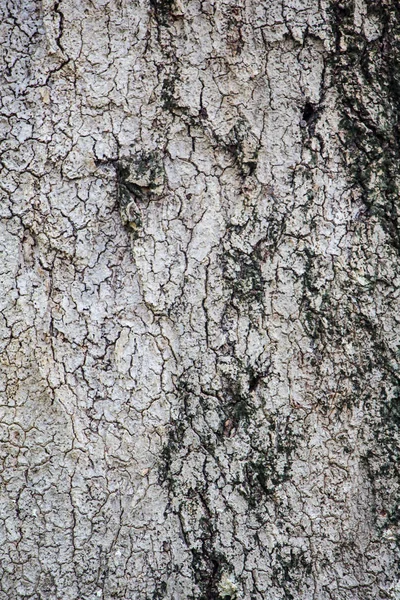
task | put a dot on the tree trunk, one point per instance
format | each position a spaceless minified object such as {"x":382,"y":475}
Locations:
{"x":200,"y":300}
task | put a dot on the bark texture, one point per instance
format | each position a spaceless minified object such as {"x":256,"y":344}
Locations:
{"x":199,"y":325}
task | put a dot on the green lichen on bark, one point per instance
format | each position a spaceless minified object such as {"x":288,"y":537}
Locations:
{"x":366,"y":72}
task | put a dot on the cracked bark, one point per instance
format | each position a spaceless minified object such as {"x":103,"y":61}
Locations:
{"x":199,"y":300}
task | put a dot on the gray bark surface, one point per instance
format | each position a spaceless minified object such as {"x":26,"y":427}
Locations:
{"x":199,"y":306}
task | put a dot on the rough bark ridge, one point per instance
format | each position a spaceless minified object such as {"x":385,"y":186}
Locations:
{"x":199,"y":309}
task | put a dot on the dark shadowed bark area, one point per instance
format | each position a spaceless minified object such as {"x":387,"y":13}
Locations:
{"x":199,"y":300}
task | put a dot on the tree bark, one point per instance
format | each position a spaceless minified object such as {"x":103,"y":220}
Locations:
{"x":199,"y":325}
